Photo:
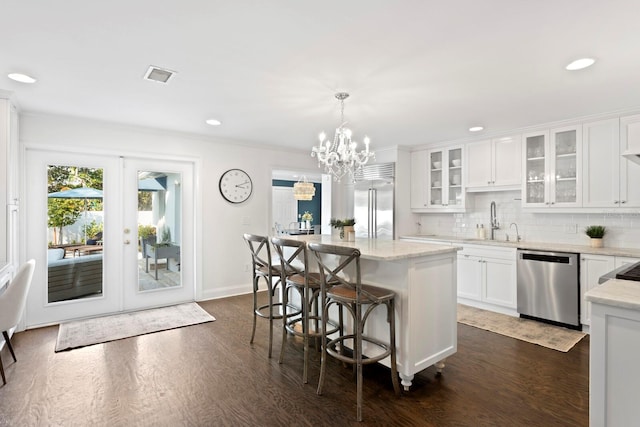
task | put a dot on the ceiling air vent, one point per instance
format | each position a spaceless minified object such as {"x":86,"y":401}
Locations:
{"x":157,"y":74}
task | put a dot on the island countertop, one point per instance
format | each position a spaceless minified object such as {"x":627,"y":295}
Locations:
{"x":616,"y":293}
{"x":383,"y":250}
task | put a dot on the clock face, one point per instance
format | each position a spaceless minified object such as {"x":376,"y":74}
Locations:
{"x":235,"y":185}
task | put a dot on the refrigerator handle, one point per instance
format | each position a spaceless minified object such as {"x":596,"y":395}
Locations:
{"x":374,"y":214}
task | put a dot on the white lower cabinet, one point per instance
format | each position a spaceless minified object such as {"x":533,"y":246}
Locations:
{"x":592,"y":267}
{"x":487,"y":277}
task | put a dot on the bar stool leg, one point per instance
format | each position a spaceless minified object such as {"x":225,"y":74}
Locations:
{"x":392,"y":342}
{"x":255,"y":307}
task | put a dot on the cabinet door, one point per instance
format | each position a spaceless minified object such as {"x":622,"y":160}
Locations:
{"x":600,"y":164}
{"x":592,"y":267}
{"x":624,"y":260}
{"x":469,"y":277}
{"x":437,"y":175}
{"x":507,"y":161}
{"x":535,"y":152}
{"x":479,"y":166}
{"x":454,"y":196}
{"x":419,"y":182}
{"x":629,"y":171}
{"x":564,"y":171}
{"x":500,"y":282}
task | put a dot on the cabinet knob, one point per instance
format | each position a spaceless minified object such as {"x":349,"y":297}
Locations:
{"x":616,"y":201}
{"x":623,"y":201}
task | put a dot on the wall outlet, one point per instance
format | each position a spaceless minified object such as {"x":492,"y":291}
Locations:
{"x":571,"y":228}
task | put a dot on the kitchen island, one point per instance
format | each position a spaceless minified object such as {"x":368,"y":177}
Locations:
{"x":423,"y":277}
{"x":615,"y":350}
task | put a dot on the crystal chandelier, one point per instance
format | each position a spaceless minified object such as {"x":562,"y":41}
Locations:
{"x":340,"y":156}
{"x":303,"y":190}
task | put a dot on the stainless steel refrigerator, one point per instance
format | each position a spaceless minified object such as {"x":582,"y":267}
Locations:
{"x":373,"y":201}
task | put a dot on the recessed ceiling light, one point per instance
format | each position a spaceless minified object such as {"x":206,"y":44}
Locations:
{"x":22,"y":78}
{"x":475,"y":129}
{"x":581,"y":63}
{"x":213,"y":122}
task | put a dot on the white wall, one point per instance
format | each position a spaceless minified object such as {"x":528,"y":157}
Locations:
{"x":223,"y":255}
{"x":623,"y":230}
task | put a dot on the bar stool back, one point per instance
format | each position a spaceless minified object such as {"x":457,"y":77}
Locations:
{"x":263,"y":268}
{"x":359,"y":300}
{"x":294,"y":260}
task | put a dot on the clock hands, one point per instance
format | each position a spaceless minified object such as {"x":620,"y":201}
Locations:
{"x":242,"y":185}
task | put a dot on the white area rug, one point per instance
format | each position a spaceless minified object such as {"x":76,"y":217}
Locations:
{"x":82,"y":333}
{"x":550,"y":336}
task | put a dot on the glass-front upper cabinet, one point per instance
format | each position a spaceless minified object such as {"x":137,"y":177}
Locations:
{"x":445,"y":178}
{"x":552,"y":168}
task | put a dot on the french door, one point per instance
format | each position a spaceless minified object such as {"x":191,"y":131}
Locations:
{"x":84,"y":217}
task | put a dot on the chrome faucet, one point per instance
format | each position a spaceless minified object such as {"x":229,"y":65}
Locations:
{"x":518,"y":237}
{"x":494,"y":220}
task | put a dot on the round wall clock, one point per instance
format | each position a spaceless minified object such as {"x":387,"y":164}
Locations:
{"x":235,"y":185}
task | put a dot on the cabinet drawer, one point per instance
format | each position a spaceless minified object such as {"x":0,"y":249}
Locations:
{"x":488,"y":252}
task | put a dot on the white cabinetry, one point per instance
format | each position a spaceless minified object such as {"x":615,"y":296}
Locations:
{"x":8,"y":181}
{"x":419,"y":182}
{"x":552,"y":168}
{"x":445,"y":179}
{"x":494,"y":164}
{"x":487,"y":277}
{"x":592,"y":267}
{"x":629,"y":171}
{"x":614,"y":371}
{"x":606,"y":174}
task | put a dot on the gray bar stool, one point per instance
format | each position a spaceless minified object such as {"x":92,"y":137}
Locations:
{"x":294,"y":260}
{"x":359,"y":300}
{"x":265,"y":269}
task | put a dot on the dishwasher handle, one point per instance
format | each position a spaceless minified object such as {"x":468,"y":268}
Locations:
{"x":557,"y":259}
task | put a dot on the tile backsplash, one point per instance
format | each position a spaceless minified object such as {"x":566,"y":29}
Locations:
{"x":623,"y":229}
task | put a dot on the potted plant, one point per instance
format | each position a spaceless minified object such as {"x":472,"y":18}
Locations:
{"x":596,"y":233}
{"x":344,"y":225}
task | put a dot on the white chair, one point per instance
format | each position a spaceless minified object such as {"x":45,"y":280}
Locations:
{"x":12,"y":302}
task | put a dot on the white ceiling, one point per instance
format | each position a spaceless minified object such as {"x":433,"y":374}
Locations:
{"x":418,"y":71}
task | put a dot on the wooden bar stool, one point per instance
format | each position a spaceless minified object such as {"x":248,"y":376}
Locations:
{"x":359,"y":300}
{"x":265,"y":269}
{"x":294,"y":260}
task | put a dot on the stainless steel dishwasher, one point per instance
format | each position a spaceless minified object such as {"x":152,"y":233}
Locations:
{"x":549,"y":286}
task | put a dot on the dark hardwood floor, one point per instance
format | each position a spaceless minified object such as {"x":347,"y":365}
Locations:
{"x":209,"y":375}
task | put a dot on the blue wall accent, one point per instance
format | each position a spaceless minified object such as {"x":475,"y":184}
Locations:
{"x":314,"y":206}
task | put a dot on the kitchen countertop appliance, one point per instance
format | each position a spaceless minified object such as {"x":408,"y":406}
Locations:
{"x":549,"y":287}
{"x":373,"y":201}
{"x":625,"y":272}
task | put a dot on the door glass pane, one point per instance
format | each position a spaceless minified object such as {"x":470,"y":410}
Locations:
{"x":455,"y":177}
{"x":435,"y":167}
{"x":75,"y":228}
{"x":566,"y":165}
{"x":535,"y":169}
{"x":159,"y":230}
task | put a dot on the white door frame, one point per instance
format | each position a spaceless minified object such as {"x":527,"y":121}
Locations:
{"x":39,"y":312}
{"x":133,"y":298}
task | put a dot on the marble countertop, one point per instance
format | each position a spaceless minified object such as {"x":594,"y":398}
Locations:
{"x":383,"y":250}
{"x":616,"y":293}
{"x":545,"y":246}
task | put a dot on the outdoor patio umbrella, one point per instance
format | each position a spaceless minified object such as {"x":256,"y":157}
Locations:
{"x":79,"y":193}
